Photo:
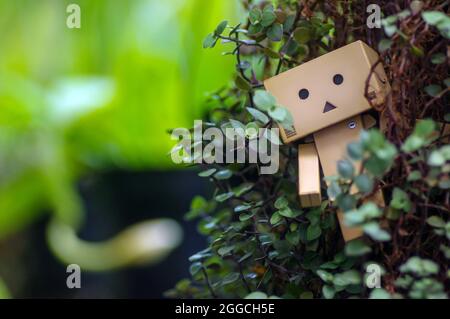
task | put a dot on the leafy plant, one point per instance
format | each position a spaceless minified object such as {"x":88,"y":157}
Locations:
{"x":261,"y":242}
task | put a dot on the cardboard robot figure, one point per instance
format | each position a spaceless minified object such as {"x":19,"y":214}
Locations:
{"x":326,"y":97}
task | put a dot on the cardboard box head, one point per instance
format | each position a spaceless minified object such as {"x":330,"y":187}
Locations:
{"x":329,"y":89}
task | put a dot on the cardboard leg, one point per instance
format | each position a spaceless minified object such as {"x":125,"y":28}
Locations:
{"x":331,"y":144}
{"x":349,"y":233}
{"x":308,"y":176}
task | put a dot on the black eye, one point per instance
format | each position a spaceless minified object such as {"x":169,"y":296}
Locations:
{"x":338,"y":79}
{"x":303,"y":94}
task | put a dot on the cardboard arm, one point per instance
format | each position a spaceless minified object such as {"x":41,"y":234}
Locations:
{"x":368,"y":121}
{"x":309,"y":175}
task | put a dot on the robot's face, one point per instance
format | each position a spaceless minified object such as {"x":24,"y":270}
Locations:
{"x":327,"y":90}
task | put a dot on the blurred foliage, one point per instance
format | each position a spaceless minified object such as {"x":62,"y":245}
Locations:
{"x":4,"y":293}
{"x":95,"y":98}
{"x":261,"y":242}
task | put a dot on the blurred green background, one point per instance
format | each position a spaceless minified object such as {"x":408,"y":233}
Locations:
{"x":76,"y":103}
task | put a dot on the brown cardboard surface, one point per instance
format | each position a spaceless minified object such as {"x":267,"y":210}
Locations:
{"x":353,"y":62}
{"x":308,"y":175}
{"x":331,"y":143}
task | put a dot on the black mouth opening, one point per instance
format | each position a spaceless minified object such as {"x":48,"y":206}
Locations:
{"x":328,"y":107}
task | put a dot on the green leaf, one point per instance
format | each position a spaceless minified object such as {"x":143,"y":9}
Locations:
{"x":244,"y":217}
{"x":264,"y":100}
{"x":414,"y":176}
{"x":330,"y":265}
{"x":255,"y":16}
{"x":225,"y":250}
{"x":293,"y":238}
{"x":195,"y":268}
{"x":245,"y":257}
{"x":444,"y":184}
{"x":306,"y":295}
{"x":289,"y":23}
{"x":417,"y":51}
{"x":356,"y":248}
{"x":271,"y":53}
{"x":223,"y":174}
{"x":313,"y":232}
{"x":438,"y":58}
{"x":314,"y":216}
{"x":272,"y":137}
{"x":350,"y":277}
{"x":390,"y":20}
{"x":433,"y":17}
{"x":424,"y":128}
{"x":198,"y":203}
{"x":276,"y":218}
{"x":279,"y":114}
{"x":447,"y":84}
{"x":325,"y":275}
{"x":207,"y":173}
{"x":281,"y":202}
{"x":223,"y":197}
{"x":436,"y":221}
{"x":345,"y":169}
{"x":382,"y":152}
{"x":355,"y":151}
{"x":302,"y":35}
{"x":364,"y":213}
{"x":436,"y":158}
{"x":364,"y":183}
{"x":422,"y":136}
{"x":389,"y":26}
{"x":400,"y":200}
{"x":379,"y":293}
{"x":268,"y":16}
{"x":283,"y":248}
{"x":420,"y":267}
{"x":288,"y":121}
{"x":287,"y":212}
{"x":446,"y":251}
{"x":275,"y":32}
{"x":256,"y":295}
{"x":237,"y":125}
{"x":242,"y":84}
{"x":376,"y":232}
{"x":328,"y":292}
{"x":445,"y":151}
{"x":384,"y":45}
{"x":404,"y":282}
{"x":255,"y":29}
{"x":200,"y":255}
{"x":292,"y":48}
{"x":433,"y":90}
{"x":242,"y":189}
{"x":230,"y":278}
{"x":334,"y":190}
{"x":210,"y":41}
{"x":242,"y":208}
{"x":220,"y":28}
{"x":258,"y":115}
{"x":346,"y":202}
{"x":251,"y":130}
